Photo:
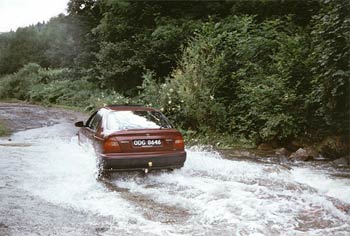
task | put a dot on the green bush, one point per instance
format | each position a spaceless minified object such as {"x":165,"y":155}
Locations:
{"x":239,"y":77}
{"x":18,"y":84}
{"x":57,"y":86}
{"x":330,"y":97}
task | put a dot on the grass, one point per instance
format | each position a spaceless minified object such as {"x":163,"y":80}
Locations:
{"x":4,"y":131}
{"x":11,"y":100}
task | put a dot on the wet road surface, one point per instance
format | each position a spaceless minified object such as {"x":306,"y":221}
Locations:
{"x":48,"y":187}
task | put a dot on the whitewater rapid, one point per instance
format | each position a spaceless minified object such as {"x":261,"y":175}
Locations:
{"x":210,"y":195}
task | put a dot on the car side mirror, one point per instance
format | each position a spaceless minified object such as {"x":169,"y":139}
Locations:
{"x":79,"y":124}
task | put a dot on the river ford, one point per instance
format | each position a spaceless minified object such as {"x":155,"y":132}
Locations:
{"x":48,"y":186}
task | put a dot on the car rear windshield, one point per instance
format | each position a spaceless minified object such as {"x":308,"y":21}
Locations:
{"x":125,"y":120}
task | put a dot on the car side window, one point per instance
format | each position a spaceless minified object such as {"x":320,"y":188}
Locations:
{"x":94,"y":121}
{"x":88,"y":122}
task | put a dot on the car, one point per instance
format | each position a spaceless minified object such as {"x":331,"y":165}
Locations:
{"x":132,"y":137}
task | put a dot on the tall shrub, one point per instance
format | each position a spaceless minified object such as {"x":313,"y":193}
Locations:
{"x":330,"y":99}
{"x":241,"y":77}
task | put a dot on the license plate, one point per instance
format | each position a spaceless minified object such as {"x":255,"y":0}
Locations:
{"x":147,"y":142}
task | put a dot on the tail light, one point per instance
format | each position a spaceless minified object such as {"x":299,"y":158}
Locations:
{"x":111,"y":145}
{"x":179,"y":143}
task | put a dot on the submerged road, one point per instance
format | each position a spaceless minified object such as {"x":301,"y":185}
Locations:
{"x":48,"y":187}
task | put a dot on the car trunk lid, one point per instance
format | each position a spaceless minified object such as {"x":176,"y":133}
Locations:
{"x":149,"y":140}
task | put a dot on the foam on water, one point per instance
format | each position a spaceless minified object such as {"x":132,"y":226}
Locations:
{"x":325,"y":184}
{"x":217,"y":196}
{"x":244,"y":197}
{"x":60,"y":171}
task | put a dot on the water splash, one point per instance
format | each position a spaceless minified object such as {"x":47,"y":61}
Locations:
{"x":209,"y":196}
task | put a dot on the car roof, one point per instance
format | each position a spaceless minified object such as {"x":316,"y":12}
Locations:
{"x":128,"y":107}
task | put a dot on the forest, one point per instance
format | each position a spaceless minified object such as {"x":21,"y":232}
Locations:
{"x":224,"y":72}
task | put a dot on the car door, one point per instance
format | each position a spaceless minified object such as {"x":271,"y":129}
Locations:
{"x":91,"y":126}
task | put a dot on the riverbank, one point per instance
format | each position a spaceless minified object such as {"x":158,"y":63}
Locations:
{"x":332,"y":149}
{"x":328,"y":149}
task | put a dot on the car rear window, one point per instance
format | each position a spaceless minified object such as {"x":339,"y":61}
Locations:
{"x":125,"y":120}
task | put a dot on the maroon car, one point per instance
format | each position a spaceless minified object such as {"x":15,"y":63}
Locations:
{"x":131,"y":137}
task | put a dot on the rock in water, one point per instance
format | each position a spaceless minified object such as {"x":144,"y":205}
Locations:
{"x":281,"y":152}
{"x":302,"y":154}
{"x":343,"y":161}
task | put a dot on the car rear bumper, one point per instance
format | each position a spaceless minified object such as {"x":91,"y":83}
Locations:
{"x":134,"y":161}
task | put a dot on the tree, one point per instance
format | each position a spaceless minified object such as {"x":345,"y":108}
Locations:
{"x":20,"y":47}
{"x":330,"y":99}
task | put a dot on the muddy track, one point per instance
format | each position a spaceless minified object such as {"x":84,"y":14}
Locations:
{"x":19,"y":117}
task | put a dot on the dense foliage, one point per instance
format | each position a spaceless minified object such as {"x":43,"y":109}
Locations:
{"x":264,"y":71}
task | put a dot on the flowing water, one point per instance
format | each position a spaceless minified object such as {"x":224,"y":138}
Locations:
{"x":48,"y":187}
